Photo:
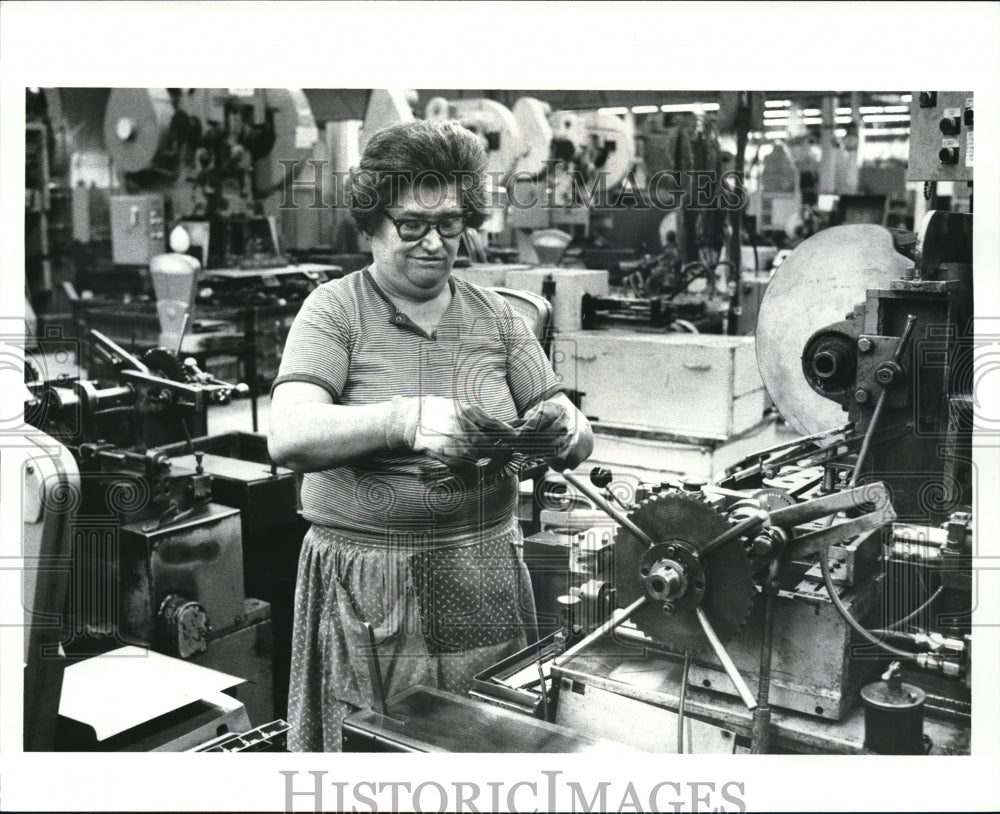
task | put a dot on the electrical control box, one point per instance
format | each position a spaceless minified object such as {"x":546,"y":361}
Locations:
{"x":942,"y":146}
{"x":138,"y":231}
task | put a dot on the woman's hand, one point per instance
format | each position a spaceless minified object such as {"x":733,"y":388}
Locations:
{"x":556,"y":429}
{"x":441,"y":428}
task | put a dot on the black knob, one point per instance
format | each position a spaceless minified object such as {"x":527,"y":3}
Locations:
{"x":967,"y":117}
{"x":928,"y":98}
{"x":948,"y":155}
{"x":951,"y":126}
{"x":601,"y":476}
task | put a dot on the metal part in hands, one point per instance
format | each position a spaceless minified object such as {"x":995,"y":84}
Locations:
{"x":617,"y":618}
{"x":612,"y":511}
{"x":727,"y":662}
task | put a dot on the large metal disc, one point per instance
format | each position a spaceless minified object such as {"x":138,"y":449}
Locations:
{"x":729,"y":591}
{"x":136,"y":124}
{"x":818,"y":284}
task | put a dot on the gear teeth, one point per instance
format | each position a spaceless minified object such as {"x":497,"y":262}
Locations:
{"x":671,"y":495}
{"x":681,"y":516}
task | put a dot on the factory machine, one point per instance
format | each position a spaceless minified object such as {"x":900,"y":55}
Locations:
{"x":200,"y":172}
{"x":180,"y":544}
{"x":818,"y":597}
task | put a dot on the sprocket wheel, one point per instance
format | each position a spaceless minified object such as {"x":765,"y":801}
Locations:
{"x":721,"y":583}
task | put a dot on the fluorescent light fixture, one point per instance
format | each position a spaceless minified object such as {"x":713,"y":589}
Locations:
{"x":906,"y":97}
{"x":887,"y":132}
{"x":812,"y":111}
{"x":840,"y":132}
{"x":645,"y":109}
{"x":843,"y":120}
{"x":812,"y":120}
{"x":842,"y":111}
{"x":777,"y":134}
{"x":886,"y":109}
{"x":778,"y":103}
{"x":775,"y":114}
{"x":695,"y":107}
{"x":873,"y":119}
{"x":613,"y":111}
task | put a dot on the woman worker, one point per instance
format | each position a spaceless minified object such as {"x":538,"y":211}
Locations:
{"x":388,"y":371}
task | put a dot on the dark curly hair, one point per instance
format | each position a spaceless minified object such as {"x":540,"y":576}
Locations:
{"x":403,"y":155}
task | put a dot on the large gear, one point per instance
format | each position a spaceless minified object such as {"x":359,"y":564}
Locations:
{"x":721,"y":583}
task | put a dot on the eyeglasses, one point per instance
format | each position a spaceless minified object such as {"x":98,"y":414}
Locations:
{"x":412,"y":230}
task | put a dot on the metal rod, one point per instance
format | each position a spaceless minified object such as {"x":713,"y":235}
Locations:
{"x":616,"y":499}
{"x":180,"y":338}
{"x":602,"y":503}
{"x":617,"y":618}
{"x":869,"y":435}
{"x":760,"y":732}
{"x":831,"y":504}
{"x":727,"y":662}
{"x":681,"y":699}
{"x":755,"y":520}
{"x":904,"y":340}
{"x":901,"y":346}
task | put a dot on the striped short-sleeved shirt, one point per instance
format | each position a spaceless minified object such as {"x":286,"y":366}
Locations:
{"x":352,"y":341}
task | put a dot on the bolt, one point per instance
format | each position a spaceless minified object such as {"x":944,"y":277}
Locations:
{"x":861,"y":396}
{"x":670,"y":550}
{"x":864,"y":344}
{"x":30,"y":469}
{"x":884,"y":376}
{"x":668,"y":608}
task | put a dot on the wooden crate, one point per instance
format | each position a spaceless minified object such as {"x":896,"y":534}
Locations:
{"x":693,"y":385}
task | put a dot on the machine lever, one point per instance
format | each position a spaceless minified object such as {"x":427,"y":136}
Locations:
{"x":611,"y":511}
{"x":727,"y":662}
{"x":831,"y":504}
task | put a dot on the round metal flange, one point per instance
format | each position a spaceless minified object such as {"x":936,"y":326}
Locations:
{"x":680,"y":557}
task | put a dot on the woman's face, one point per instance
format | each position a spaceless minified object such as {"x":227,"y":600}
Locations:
{"x":417,"y":269}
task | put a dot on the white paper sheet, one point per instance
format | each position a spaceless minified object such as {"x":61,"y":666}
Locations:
{"x":126,"y":687}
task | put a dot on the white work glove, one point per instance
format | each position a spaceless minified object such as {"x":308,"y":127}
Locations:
{"x":440,"y":428}
{"x":556,"y":431}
